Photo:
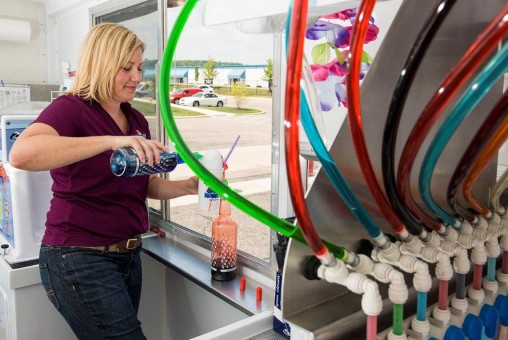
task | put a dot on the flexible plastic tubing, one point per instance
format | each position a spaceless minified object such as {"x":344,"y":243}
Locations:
{"x":398,"y":319}
{"x":407,"y":75}
{"x":442,"y":302}
{"x":330,"y":167}
{"x":355,"y":117}
{"x":477,"y":276}
{"x":491,"y":269}
{"x":490,"y":149}
{"x":371,"y":327}
{"x":481,"y":147}
{"x":497,"y":191}
{"x":471,"y":97}
{"x":265,"y":217}
{"x":460,"y":292}
{"x":504,"y":262}
{"x":421,"y":306}
{"x":476,"y":54}
{"x":291,"y":126}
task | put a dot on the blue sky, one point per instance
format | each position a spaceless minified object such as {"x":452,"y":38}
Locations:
{"x":198,"y":42}
{"x":220,"y":42}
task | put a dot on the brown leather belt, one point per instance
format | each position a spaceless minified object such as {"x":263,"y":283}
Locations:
{"x":123,"y":246}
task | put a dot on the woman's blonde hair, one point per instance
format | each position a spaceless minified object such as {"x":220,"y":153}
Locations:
{"x":106,"y":49}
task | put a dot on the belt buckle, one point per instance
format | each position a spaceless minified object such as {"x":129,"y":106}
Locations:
{"x":131,"y":243}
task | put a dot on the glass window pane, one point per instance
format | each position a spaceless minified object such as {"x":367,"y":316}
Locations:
{"x":249,"y":166}
{"x":142,"y":19}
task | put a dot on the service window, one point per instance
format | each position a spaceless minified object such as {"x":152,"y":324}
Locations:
{"x":240,"y":131}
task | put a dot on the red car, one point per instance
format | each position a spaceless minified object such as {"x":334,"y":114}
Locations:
{"x":180,"y":93}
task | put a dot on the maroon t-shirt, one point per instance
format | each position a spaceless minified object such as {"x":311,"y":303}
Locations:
{"x":90,"y":205}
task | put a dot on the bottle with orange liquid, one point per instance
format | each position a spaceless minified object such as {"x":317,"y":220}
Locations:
{"x":224,"y":244}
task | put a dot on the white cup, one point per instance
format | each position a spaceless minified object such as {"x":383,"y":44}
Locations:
{"x":208,"y":200}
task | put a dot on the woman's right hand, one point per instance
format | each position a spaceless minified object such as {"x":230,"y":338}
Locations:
{"x":147,"y":149}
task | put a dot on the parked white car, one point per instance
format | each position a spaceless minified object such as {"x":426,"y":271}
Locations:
{"x":204,"y":99}
{"x":205,"y":88}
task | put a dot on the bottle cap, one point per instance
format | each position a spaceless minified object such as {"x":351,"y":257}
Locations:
{"x":212,"y":160}
{"x":454,"y":333}
{"x":490,"y":319}
{"x":473,"y":327}
{"x":501,"y":305}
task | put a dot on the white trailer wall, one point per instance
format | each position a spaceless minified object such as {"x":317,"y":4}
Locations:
{"x":23,"y":61}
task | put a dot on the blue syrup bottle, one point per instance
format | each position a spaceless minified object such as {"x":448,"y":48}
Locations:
{"x":125,"y":162}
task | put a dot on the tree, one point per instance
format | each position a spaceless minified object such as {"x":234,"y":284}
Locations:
{"x":239,"y":94}
{"x":268,"y":76}
{"x":209,"y":71}
{"x":196,"y":74}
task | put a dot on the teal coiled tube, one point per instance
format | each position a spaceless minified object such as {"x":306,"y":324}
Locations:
{"x":471,"y":97}
{"x":333,"y":173}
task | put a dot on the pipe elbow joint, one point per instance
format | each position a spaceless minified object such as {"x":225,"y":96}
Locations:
{"x":337,"y":274}
{"x":372,"y":303}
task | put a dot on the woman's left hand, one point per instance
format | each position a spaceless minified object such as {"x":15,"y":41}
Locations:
{"x":192,"y":185}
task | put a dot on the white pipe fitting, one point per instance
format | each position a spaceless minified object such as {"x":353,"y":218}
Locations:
{"x":461,"y":263}
{"x":481,"y":234}
{"x":460,"y":304}
{"x":467,"y":228}
{"x":434,"y":239}
{"x":494,"y":219}
{"x":479,"y":254}
{"x":452,"y":236}
{"x":490,"y":286}
{"x":467,"y":241}
{"x":421,"y":327}
{"x":442,"y":315}
{"x":413,"y":247}
{"x":504,"y":242}
{"x":358,"y":283}
{"x":383,"y":272}
{"x":444,"y":269}
{"x":476,"y":295}
{"x":392,"y":253}
{"x":482,"y":222}
{"x":493,"y":248}
{"x":392,"y":336}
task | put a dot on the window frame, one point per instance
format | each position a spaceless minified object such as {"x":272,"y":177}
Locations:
{"x":161,"y":219}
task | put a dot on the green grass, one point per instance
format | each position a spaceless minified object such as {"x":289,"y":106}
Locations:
{"x":148,"y":109}
{"x":232,"y":110}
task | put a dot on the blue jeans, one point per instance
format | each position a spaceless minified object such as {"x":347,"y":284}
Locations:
{"x":97,"y":292}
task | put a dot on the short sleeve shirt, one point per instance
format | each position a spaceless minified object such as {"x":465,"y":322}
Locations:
{"x":90,"y":205}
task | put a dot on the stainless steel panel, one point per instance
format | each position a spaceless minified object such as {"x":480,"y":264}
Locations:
{"x":317,"y":306}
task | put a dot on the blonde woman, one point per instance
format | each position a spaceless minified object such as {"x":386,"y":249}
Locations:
{"x":90,"y":254}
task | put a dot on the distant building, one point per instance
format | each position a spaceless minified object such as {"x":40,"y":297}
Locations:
{"x":247,"y":75}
